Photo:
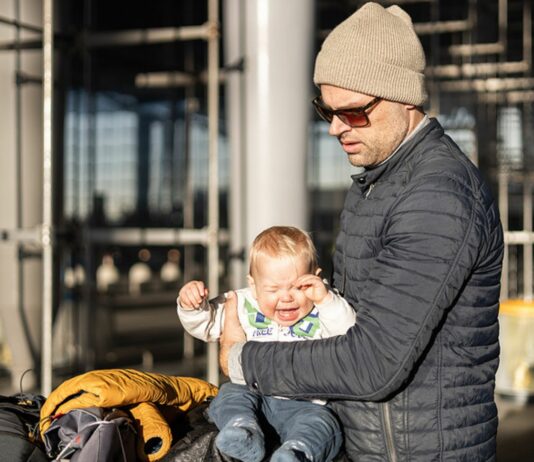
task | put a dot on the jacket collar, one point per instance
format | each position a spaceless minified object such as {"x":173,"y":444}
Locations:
{"x":371,"y":175}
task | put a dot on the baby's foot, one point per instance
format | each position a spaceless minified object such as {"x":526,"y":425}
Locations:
{"x":241,"y":441}
{"x":289,"y":453}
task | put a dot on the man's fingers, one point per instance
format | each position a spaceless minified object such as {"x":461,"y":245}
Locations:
{"x":230,"y":305}
{"x":232,"y":330}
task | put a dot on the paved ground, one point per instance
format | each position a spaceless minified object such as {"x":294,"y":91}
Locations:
{"x":515,"y":437}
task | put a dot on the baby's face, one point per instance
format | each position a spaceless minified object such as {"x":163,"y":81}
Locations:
{"x":274,"y":289}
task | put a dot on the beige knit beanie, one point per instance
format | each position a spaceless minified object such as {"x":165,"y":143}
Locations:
{"x":376,"y":52}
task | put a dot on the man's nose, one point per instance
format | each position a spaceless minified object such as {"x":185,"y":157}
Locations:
{"x":337,"y":127}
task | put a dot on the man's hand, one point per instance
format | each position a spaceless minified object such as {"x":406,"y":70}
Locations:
{"x":232,"y":331}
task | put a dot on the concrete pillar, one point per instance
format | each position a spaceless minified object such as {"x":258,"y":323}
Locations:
{"x":278,"y":78}
{"x":21,"y":188}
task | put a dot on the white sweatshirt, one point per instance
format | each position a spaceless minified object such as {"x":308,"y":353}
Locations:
{"x":332,"y":318}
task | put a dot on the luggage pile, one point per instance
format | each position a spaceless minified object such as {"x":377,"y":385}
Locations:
{"x":115,"y":415}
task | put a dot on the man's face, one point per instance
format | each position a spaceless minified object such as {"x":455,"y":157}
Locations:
{"x":273,"y":287}
{"x":368,"y":146}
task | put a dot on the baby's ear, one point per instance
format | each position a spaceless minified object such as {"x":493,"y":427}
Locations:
{"x":318,"y":271}
{"x":252,"y":285}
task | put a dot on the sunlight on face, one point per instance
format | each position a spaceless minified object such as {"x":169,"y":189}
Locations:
{"x":273,"y":288}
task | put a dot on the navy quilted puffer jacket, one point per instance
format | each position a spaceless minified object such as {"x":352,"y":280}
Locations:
{"x":419,"y":257}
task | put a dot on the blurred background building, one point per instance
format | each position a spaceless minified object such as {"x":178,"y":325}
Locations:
{"x":145,"y":144}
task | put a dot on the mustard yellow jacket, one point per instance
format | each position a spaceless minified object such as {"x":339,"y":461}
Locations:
{"x":144,"y":393}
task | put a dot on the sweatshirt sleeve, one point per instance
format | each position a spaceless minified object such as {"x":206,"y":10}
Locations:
{"x":197,"y":323}
{"x":431,"y":243}
{"x":336,"y":316}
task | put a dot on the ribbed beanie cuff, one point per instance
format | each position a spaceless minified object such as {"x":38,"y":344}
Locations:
{"x":376,"y":52}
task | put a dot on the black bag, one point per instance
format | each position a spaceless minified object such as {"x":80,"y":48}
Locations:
{"x":92,"y":434}
{"x":194,"y":438}
{"x":19,"y":429}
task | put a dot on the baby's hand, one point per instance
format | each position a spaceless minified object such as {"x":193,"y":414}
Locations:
{"x":191,"y":295}
{"x":314,"y":288}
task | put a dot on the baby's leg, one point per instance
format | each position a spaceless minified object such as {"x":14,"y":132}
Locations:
{"x":308,"y":431}
{"x":234,"y":410}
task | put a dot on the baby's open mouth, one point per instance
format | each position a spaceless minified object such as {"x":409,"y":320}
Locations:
{"x":287,"y":314}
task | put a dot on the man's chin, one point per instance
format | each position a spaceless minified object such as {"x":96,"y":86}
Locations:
{"x":356,"y":160}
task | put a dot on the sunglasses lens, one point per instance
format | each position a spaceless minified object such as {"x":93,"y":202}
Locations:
{"x":324,"y":113}
{"x":354,"y":119}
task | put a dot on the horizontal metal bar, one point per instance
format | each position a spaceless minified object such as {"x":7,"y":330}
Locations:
{"x":489,"y":85}
{"x":441,"y":27}
{"x":24,"y":78}
{"x":173,"y":79}
{"x":475,"y":49}
{"x":478,"y":69}
{"x":509,"y":97}
{"x":516,"y":176}
{"x":30,"y":235}
{"x":518,"y":237}
{"x":164,"y":79}
{"x":425,"y":28}
{"x":148,"y":36}
{"x":153,"y":236}
{"x":21,"y":45}
{"x":22,"y":25}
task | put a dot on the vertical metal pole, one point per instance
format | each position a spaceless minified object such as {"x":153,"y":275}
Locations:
{"x":213,"y":186}
{"x":503,"y":209}
{"x":189,"y":341}
{"x":527,"y":34}
{"x":233,"y":33}
{"x":434,"y":96}
{"x":48,"y":76}
{"x":503,"y":25}
{"x":527,"y":248}
{"x":18,"y":179}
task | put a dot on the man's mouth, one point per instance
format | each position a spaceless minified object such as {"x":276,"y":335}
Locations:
{"x":350,"y":146}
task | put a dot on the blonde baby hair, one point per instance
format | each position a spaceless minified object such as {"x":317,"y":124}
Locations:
{"x":283,"y":241}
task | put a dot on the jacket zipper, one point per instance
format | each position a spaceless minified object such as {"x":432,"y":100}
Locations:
{"x":388,"y":433}
{"x":369,"y":189}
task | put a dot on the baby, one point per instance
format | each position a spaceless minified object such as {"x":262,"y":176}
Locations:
{"x":286,"y":301}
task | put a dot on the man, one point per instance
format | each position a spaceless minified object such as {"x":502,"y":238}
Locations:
{"x":418,"y":256}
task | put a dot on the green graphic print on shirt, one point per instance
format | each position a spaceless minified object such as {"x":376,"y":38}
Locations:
{"x":306,"y":327}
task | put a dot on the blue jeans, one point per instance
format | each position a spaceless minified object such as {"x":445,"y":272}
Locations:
{"x":313,"y":424}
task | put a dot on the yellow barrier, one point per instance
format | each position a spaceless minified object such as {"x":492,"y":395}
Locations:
{"x":516,"y":370}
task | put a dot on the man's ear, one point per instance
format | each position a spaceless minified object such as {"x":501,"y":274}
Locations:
{"x":252,"y":285}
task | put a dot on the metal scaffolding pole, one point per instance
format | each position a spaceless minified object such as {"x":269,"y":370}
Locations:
{"x":527,"y":248}
{"x":213,"y":187}
{"x":503,"y":210}
{"x":46,"y":237}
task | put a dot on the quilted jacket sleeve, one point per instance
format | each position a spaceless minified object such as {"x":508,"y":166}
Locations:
{"x":431,"y":242}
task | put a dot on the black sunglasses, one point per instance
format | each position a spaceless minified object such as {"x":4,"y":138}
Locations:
{"x":354,"y":117}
